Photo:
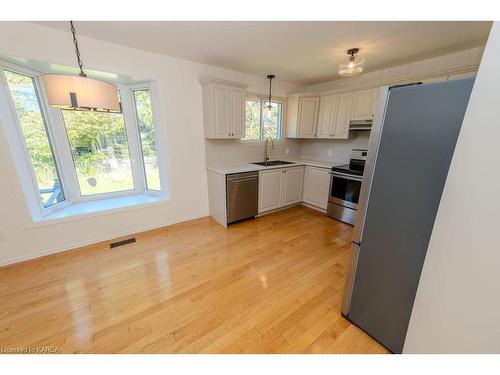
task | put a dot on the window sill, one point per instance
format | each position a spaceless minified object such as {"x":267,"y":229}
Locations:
{"x":100,"y":207}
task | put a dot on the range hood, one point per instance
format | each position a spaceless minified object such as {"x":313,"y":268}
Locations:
{"x":360,"y":125}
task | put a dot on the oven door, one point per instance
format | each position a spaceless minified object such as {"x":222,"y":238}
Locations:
{"x":344,"y":189}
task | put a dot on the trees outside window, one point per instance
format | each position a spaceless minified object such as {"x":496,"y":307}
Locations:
{"x":100,"y":151}
{"x":144,"y":113}
{"x":261,"y":122}
{"x":32,"y":123}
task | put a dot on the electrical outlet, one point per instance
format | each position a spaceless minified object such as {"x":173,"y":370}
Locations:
{"x":287,"y":151}
{"x":330,"y":152}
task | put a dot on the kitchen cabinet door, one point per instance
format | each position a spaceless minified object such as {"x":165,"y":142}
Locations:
{"x":221,"y":111}
{"x":308,"y":117}
{"x":292,"y":185}
{"x":270,"y":189}
{"x":223,"y":108}
{"x":327,"y":108}
{"x":316,"y":186}
{"x":363,"y":105}
{"x":237,"y":105}
{"x":342,"y":117}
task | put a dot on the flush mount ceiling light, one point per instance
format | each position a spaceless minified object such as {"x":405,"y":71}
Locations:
{"x":269,"y":105}
{"x":352,"y":67}
{"x":79,"y":92}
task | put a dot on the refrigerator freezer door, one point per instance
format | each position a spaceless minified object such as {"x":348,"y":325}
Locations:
{"x":419,"y":134}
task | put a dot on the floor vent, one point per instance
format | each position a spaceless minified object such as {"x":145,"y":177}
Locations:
{"x":121,"y":243}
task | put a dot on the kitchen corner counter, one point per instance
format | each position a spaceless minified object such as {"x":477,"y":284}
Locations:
{"x":249,"y":167}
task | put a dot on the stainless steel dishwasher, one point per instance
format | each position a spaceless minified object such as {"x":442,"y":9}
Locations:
{"x":242,"y":195}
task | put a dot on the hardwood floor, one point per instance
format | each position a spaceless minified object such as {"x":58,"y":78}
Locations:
{"x":269,"y":285}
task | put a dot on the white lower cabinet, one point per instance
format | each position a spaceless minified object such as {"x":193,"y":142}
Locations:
{"x":292,"y":186}
{"x":280,"y":187}
{"x":270,"y":189}
{"x":316,"y":186}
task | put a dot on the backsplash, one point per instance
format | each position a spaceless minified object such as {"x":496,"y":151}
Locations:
{"x":335,"y":150}
{"x":230,"y":152}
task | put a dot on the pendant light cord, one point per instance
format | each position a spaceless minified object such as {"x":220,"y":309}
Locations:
{"x":77,"y":51}
{"x":270,"y":77}
{"x":270,"y":97}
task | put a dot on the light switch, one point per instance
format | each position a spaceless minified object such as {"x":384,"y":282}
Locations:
{"x":330,"y":152}
{"x":287,"y":151}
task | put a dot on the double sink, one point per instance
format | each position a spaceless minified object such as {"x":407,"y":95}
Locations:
{"x":272,"y":162}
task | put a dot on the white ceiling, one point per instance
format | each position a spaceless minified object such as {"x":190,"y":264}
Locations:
{"x":298,"y":52}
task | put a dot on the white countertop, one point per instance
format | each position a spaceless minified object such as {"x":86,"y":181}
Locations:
{"x":249,"y":167}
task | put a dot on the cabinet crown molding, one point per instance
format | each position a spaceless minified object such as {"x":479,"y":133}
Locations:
{"x":223,"y":82}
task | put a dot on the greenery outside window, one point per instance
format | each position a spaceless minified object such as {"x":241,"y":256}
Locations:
{"x":262,"y":123}
{"x":30,"y":118}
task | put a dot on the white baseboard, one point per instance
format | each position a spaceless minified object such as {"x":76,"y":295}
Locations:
{"x":10,"y":261}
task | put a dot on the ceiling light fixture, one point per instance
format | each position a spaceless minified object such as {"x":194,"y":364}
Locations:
{"x":269,"y":105}
{"x":352,"y":67}
{"x":79,"y":92}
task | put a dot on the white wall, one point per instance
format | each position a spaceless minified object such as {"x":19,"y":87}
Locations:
{"x":232,"y":152}
{"x":180,"y":97}
{"x":337,"y":151}
{"x":457,"y":308}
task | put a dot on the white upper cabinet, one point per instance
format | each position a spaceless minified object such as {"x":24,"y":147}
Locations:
{"x":223,"y":108}
{"x":363,"y":105}
{"x":343,"y":115}
{"x":335,"y":116}
{"x":220,"y":111}
{"x":237,"y":112}
{"x":302,"y":117}
{"x":326,"y":124}
{"x":308,"y":116}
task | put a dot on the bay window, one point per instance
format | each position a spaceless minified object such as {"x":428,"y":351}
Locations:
{"x":67,"y":156}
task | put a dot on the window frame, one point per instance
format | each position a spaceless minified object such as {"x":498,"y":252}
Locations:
{"x":61,"y":148}
{"x":21,"y":149}
{"x":138,"y":87}
{"x":262,"y":99}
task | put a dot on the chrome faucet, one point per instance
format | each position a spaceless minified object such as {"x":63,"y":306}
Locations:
{"x":266,"y":158}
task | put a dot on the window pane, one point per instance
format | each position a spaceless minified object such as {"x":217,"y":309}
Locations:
{"x":24,"y":95}
{"x":252,"y":122}
{"x":271,"y":120}
{"x":146,"y":132}
{"x":100,"y":151}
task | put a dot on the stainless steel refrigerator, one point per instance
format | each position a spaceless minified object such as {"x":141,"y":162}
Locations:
{"x":410,"y":149}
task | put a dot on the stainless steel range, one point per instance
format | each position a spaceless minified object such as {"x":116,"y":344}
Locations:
{"x":345,"y":185}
